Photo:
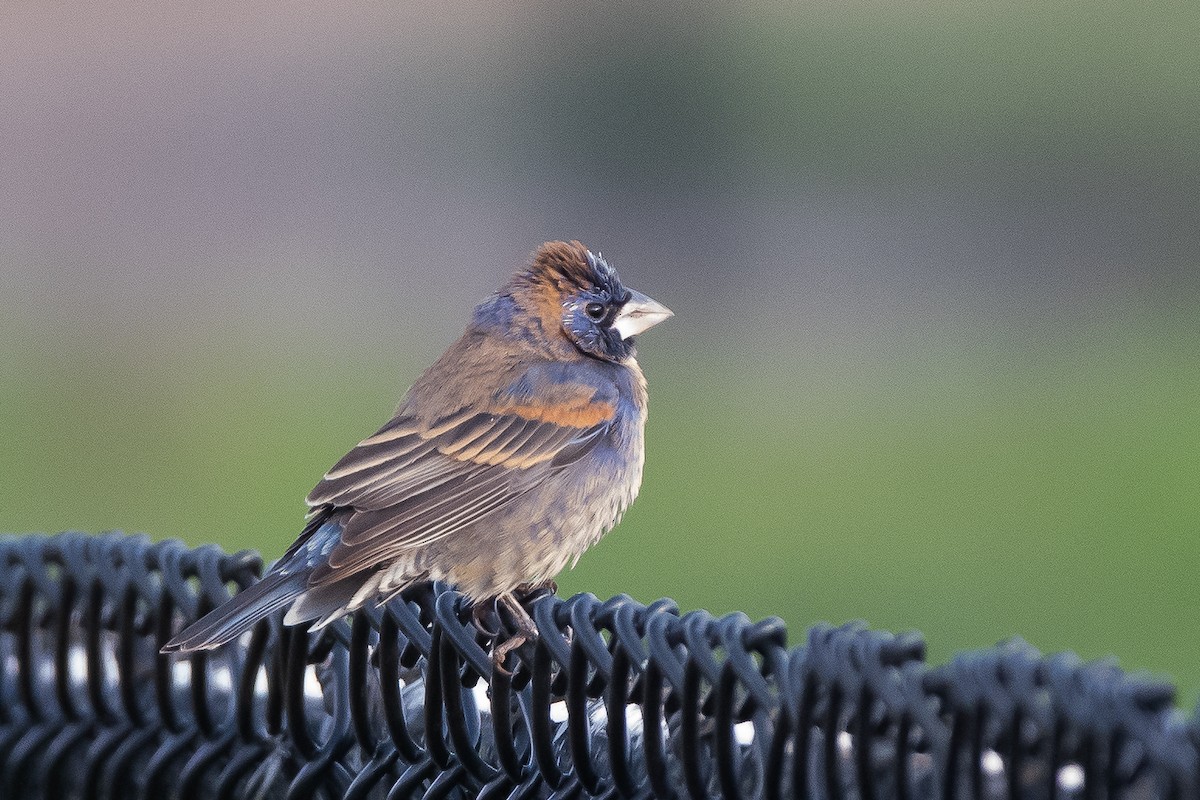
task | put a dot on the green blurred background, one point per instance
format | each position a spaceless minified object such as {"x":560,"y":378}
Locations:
{"x":936,"y":359}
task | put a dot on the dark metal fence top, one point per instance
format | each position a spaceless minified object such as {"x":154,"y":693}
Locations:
{"x":616,"y":700}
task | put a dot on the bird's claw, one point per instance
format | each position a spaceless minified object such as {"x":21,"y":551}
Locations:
{"x":500,"y":652}
{"x":480,"y":616}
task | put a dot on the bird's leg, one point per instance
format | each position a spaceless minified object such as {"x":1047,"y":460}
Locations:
{"x":525,"y":624}
{"x":526,"y":629}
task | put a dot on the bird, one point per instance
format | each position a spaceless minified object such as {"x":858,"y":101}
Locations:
{"x":512,"y":454}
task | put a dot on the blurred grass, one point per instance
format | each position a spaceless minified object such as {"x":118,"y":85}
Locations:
{"x":1037,"y":479}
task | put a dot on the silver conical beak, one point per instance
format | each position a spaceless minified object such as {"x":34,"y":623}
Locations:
{"x":639,"y":313}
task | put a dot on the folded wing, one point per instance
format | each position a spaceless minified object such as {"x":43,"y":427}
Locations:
{"x":415,"y":482}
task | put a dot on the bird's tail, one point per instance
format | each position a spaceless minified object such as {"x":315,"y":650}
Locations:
{"x":240,"y":613}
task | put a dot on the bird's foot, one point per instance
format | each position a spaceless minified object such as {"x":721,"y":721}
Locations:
{"x":500,"y":652}
{"x":486,"y":620}
{"x":526,"y":631}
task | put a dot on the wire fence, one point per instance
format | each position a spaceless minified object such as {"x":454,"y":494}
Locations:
{"x":614,"y":700}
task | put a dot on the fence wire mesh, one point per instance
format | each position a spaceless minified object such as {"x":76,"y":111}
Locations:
{"x":615,"y":699}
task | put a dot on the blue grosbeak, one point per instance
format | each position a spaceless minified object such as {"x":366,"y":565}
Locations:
{"x":516,"y":451}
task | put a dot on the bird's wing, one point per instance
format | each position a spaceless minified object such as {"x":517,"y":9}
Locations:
{"x":415,"y":482}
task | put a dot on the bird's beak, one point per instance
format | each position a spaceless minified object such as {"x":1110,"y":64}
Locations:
{"x":639,"y":313}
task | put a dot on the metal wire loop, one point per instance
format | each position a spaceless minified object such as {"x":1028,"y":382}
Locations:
{"x":615,"y":699}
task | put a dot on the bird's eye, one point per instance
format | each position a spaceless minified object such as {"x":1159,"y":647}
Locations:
{"x":595,"y":310}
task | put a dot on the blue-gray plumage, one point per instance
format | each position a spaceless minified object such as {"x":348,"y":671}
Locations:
{"x":512,"y":454}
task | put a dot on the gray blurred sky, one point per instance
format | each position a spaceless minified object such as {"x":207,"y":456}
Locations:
{"x":816,"y":171}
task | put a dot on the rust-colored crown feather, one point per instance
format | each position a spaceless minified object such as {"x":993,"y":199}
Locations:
{"x":558,"y":262}
{"x":567,"y":266}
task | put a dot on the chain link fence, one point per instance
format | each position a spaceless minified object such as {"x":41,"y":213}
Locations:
{"x":615,"y":700}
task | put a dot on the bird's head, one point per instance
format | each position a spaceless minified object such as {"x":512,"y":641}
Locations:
{"x":575,"y":295}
